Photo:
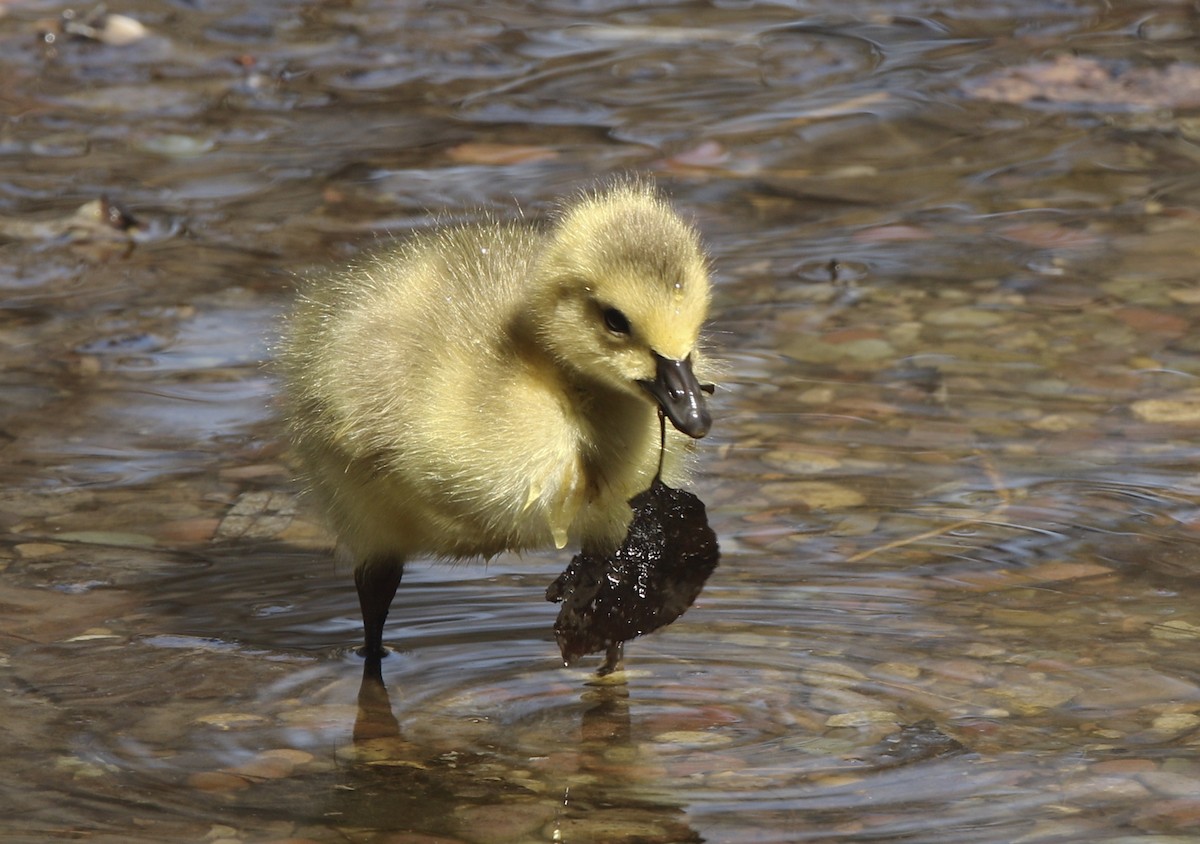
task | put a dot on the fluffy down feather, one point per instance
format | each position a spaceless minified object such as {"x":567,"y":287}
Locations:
{"x":491,"y":387}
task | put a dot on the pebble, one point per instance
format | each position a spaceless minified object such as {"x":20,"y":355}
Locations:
{"x":1186,"y":296}
{"x":867,"y":349}
{"x":816,"y":495}
{"x":255,"y":472}
{"x":1124,"y":766}
{"x":903,"y":670}
{"x":983,"y":650}
{"x":801,"y":462}
{"x":1058,"y":423}
{"x":1124,"y":687}
{"x":1175,"y":630}
{"x":1176,"y":722}
{"x":693,"y":738}
{"x":1023,"y":618}
{"x":482,"y":152}
{"x":258,"y":514}
{"x":855,"y":524}
{"x":121,"y":30}
{"x":817,"y":395}
{"x":828,"y":675}
{"x":1170,"y":785}
{"x":175,"y":145}
{"x":1174,"y":411}
{"x":1122,"y":788}
{"x":502,"y":823}
{"x":863,"y":718}
{"x":217,"y":781}
{"x":1152,"y":321}
{"x":965,"y":317}
{"x":271,"y":764}
{"x":617,"y":825}
{"x":194,"y":531}
{"x":1058,"y":570}
{"x":320,"y":717}
{"x":33,"y":550}
{"x":233,"y":720}
{"x":1032,"y":699}
{"x":840,"y":700}
{"x":107,"y":537}
{"x":1183,"y":812}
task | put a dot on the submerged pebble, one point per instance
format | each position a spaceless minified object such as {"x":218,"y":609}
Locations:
{"x":1184,"y":411}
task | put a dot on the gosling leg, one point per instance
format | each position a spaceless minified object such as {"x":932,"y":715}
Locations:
{"x":377,"y":579}
{"x":614,"y":659}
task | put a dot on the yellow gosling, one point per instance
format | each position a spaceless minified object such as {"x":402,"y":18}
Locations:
{"x":491,"y":387}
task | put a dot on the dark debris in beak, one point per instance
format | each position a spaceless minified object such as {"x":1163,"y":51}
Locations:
{"x":647,"y":583}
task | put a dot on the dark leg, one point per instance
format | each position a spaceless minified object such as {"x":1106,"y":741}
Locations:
{"x":377,"y":579}
{"x":614,"y":659}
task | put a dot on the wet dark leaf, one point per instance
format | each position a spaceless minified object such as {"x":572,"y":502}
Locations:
{"x":647,"y":583}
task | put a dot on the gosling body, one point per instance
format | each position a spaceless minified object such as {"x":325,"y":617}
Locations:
{"x":493,"y":387}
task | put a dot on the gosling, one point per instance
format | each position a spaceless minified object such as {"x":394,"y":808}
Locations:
{"x":490,"y":387}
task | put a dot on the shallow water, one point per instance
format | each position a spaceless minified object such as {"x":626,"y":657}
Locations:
{"x":954,"y":472}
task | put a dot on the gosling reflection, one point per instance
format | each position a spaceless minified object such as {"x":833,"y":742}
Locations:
{"x":611,"y":803}
{"x":400,"y":785}
{"x":375,"y":719}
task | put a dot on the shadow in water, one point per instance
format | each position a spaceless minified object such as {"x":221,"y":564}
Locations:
{"x":393,"y":787}
{"x":375,"y":718}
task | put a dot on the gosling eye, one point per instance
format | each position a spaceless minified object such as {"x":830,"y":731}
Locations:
{"x":615,"y":321}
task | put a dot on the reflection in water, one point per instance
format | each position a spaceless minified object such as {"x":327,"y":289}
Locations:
{"x":609,"y":756}
{"x":375,"y":718}
{"x":599,"y":791}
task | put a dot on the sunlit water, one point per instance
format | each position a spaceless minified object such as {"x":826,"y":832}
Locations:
{"x":954,"y":470}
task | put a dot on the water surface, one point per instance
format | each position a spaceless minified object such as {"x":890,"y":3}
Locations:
{"x":954,"y":470}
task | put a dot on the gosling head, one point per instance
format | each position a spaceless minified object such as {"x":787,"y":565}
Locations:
{"x":623,"y":291}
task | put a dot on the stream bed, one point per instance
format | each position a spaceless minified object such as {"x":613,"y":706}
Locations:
{"x":954,"y":469}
